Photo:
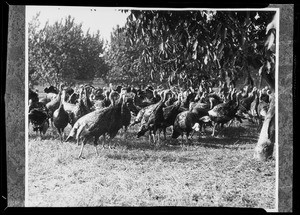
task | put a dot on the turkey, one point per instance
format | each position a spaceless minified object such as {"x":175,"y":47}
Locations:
{"x":170,"y":113}
{"x":213,"y":100}
{"x":253,"y":107}
{"x":143,"y":114}
{"x":83,"y":123}
{"x":156,"y":97}
{"x":51,"y":89}
{"x":75,"y":111}
{"x":204,"y":121}
{"x":171,"y":100}
{"x":186,"y":120}
{"x":126,"y":112}
{"x":142,"y":99}
{"x":106,"y":101}
{"x":265,"y":95}
{"x":97,"y":94}
{"x":73,"y":98}
{"x":99,"y":122}
{"x":224,"y":112}
{"x":118,"y":89}
{"x":69,"y":91}
{"x":33,"y":96}
{"x":258,"y":108}
{"x":50,"y":96}
{"x":242,"y":109}
{"x":201,"y":125}
{"x":45,"y":100}
{"x":155,"y":119}
{"x":262,"y":110}
{"x":54,"y":104}
{"x":245,"y":103}
{"x":187,"y":97}
{"x":245,"y":91}
{"x":60,"y":119}
{"x":38,"y":116}
{"x":199,"y":105}
{"x":86,"y":97}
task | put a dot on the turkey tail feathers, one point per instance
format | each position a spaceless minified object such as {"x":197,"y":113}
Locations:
{"x":72,"y":133}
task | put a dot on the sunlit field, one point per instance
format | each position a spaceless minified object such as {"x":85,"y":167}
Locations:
{"x":206,"y":171}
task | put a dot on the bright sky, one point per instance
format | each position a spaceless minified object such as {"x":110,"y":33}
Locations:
{"x":103,"y":19}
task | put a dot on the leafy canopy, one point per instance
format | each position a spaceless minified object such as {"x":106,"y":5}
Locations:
{"x":181,"y":47}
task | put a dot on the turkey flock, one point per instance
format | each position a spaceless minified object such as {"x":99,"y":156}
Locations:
{"x":94,"y":112}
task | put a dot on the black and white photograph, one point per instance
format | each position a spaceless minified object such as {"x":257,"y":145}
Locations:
{"x":151,"y":107}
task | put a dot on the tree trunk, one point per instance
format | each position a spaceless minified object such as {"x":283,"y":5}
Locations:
{"x":270,"y":79}
{"x":265,"y":145}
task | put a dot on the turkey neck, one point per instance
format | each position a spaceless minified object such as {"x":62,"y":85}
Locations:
{"x":123,"y":103}
{"x":63,"y":97}
{"x":86,"y":95}
{"x":80,"y":96}
{"x":256,"y":97}
{"x":179,"y":99}
{"x":59,"y":96}
{"x":61,"y":104}
{"x":164,"y":98}
{"x":252,"y":97}
{"x":237,"y":100}
{"x":112,"y":101}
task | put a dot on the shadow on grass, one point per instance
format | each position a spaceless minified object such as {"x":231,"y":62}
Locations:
{"x":51,"y":133}
{"x":143,"y":144}
{"x":230,"y":136}
{"x":147,"y":157}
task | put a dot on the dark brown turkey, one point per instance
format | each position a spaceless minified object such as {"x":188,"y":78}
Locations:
{"x":60,"y":119}
{"x":186,"y":120}
{"x":224,"y":112}
{"x":39,"y":117}
{"x":155,"y":119}
{"x":101,"y":122}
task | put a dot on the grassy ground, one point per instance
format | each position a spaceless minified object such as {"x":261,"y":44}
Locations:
{"x":209,"y":172}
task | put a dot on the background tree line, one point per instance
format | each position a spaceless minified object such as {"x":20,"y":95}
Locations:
{"x":158,"y":47}
{"x":63,"y":52}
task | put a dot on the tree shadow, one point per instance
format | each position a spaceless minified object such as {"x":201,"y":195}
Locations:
{"x":147,"y":157}
{"x":143,"y":144}
{"x":229,"y":136}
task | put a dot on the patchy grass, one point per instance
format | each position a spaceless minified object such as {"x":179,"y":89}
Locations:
{"x":207,"y":172}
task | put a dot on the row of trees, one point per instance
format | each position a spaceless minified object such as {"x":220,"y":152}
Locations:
{"x":62,"y":52}
{"x":178,"y":46}
{"x":160,"y":47}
